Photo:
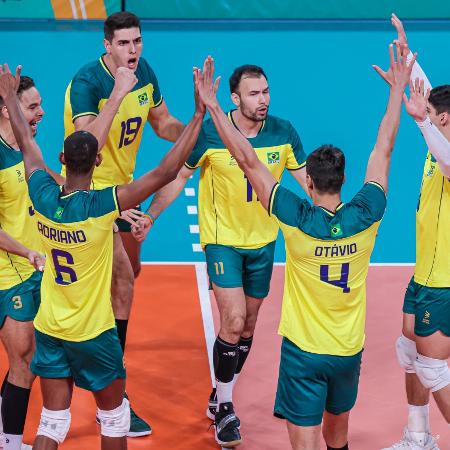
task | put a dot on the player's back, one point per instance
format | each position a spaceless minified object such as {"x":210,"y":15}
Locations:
{"x":327,"y":260}
{"x":77,"y":235}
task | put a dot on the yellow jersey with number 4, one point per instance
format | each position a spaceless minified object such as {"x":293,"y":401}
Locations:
{"x":228,"y":208}
{"x":86,"y":95}
{"x":433,"y":228}
{"x":327,"y":259}
{"x":77,"y":234}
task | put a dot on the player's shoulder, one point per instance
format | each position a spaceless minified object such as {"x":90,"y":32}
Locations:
{"x":8,"y":156}
{"x":91,"y":72}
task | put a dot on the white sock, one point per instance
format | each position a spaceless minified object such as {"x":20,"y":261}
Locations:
{"x":13,"y":441}
{"x":418,"y":419}
{"x":235,"y":378}
{"x":224,"y":392}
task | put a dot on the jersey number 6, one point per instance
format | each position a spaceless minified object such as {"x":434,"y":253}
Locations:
{"x":60,"y":269}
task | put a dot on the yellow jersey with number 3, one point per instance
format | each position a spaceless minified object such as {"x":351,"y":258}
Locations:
{"x":16,"y":217}
{"x":327,"y":260}
{"x":433,"y":228}
{"x":229,"y":211}
{"x":87,"y":94}
{"x":77,"y":234}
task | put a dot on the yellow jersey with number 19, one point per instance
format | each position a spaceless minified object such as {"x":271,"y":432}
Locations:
{"x":433,"y":228}
{"x":327,"y":259}
{"x":77,"y":234}
{"x":87,"y":94}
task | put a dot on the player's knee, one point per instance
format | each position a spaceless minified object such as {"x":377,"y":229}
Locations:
{"x":54,"y":424}
{"x":434,"y":374}
{"x":115,"y":423}
{"x":235,"y":325}
{"x":406,"y":353}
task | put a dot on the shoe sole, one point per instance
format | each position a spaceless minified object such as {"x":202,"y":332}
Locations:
{"x":231,"y":444}
{"x":135,"y":434}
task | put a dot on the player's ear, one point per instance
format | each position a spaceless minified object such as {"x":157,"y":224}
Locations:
{"x":62,"y":159}
{"x":98,"y":159}
{"x":107,"y":45}
{"x":236,"y":99}
{"x":4,"y":112}
{"x":444,"y":119}
{"x":309,"y":182}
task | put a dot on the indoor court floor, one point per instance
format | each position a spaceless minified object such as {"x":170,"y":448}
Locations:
{"x":169,"y":376}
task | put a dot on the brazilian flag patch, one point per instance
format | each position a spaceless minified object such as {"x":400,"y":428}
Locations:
{"x":336,"y":230}
{"x":143,"y":99}
{"x":273,"y":158}
{"x":58,"y":213}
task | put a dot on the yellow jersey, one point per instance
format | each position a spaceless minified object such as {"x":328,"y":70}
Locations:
{"x":228,"y":208}
{"x":16,"y":216}
{"x":86,"y":95}
{"x":327,"y":260}
{"x":433,"y":228}
{"x":77,"y":234}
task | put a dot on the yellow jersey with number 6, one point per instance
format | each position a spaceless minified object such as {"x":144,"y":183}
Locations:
{"x":327,"y":259}
{"x":87,"y":94}
{"x":77,"y":234}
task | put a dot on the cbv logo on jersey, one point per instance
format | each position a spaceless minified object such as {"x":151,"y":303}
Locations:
{"x":143,"y":99}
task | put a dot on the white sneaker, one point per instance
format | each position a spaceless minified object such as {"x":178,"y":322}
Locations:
{"x":415,"y":441}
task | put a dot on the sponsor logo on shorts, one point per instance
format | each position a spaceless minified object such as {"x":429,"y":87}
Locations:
{"x":273,"y":157}
{"x":143,"y":99}
{"x":336,"y":230}
{"x":426,"y":318}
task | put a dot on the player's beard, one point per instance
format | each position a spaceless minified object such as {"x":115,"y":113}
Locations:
{"x":252,"y":115}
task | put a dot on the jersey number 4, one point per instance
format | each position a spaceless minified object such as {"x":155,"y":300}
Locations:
{"x":130,"y":130}
{"x":342,"y":282}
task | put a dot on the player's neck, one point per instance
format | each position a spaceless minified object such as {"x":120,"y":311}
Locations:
{"x":248,"y":127}
{"x":7,"y":134}
{"x":107,"y":59}
{"x":327,"y":201}
{"x":76,"y":183}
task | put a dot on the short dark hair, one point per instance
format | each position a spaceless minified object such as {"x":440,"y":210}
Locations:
{"x":120,"y":21}
{"x":239,"y":72}
{"x":440,"y":98}
{"x":80,"y":151}
{"x":24,"y":84}
{"x":326,"y":166}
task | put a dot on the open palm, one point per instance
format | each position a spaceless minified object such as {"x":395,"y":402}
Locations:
{"x":416,"y":105}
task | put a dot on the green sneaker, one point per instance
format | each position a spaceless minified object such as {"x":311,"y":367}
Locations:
{"x":138,"y":427}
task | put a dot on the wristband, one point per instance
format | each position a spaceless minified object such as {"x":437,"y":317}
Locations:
{"x":150,"y":217}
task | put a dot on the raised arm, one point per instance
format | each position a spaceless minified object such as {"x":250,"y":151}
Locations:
{"x":134,"y":193}
{"x":380,"y":158}
{"x":260,"y":178}
{"x":99,"y":126}
{"x":32,"y":156}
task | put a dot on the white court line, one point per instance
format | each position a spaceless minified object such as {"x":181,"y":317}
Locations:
{"x":192,"y":263}
{"x":83,"y":9}
{"x":74,"y":9}
{"x":208,"y":322}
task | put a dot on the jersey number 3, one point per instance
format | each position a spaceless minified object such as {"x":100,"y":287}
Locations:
{"x":130,"y":130}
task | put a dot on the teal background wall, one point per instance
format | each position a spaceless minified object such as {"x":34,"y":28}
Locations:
{"x":320,"y":77}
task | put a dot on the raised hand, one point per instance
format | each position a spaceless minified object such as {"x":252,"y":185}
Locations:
{"x":416,"y":105}
{"x":207,"y":88}
{"x":125,"y":80}
{"x":401,"y":70}
{"x":401,"y":35}
{"x":8,"y":82}
{"x":199,"y":105}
